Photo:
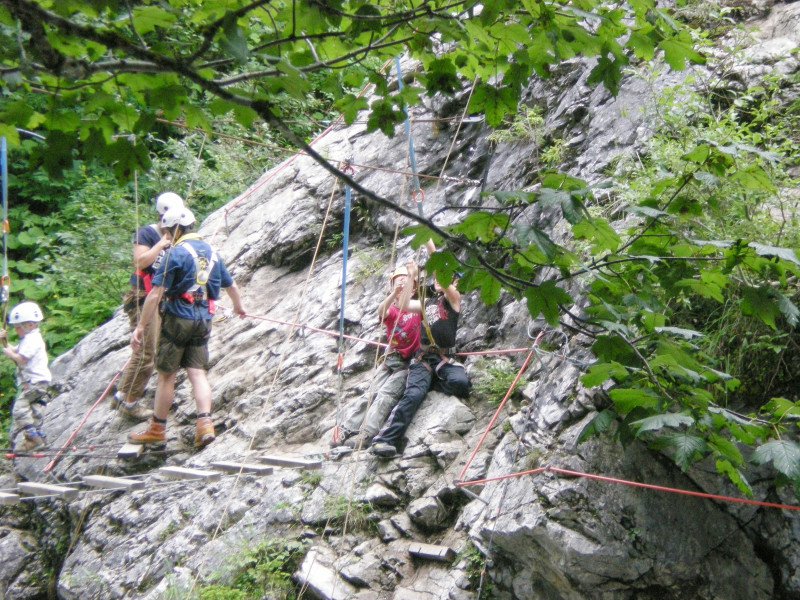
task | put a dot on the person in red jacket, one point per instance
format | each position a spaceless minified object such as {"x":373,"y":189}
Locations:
{"x":364,"y":417}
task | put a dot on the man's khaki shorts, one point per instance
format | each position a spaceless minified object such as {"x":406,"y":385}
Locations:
{"x":182,"y":343}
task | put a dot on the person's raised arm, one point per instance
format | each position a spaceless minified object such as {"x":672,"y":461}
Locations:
{"x":383,"y":307}
{"x":143,"y":256}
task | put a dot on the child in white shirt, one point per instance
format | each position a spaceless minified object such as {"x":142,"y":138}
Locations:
{"x":33,"y":374}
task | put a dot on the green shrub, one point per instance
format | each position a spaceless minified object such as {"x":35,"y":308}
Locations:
{"x":492,"y":379}
{"x":262,"y":571}
{"x":341,"y":512}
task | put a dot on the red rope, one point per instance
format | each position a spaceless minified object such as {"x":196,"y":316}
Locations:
{"x":51,"y":465}
{"x":380,"y":344}
{"x":647,"y":486}
{"x":326,"y":331}
{"x":502,"y":404}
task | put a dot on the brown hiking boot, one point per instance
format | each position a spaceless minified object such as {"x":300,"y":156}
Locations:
{"x":156,"y":433}
{"x":135,"y":411}
{"x":204,"y":434}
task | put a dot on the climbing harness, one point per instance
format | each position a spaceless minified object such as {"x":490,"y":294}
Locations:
{"x":142,"y":278}
{"x":203,"y":267}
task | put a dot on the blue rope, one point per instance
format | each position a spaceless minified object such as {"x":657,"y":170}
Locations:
{"x":411,"y":153}
{"x":345,"y":244}
{"x":4,"y":288}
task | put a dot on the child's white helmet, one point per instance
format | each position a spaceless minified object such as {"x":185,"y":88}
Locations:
{"x":25,"y":312}
{"x":167,"y":201}
{"x":177,"y":216}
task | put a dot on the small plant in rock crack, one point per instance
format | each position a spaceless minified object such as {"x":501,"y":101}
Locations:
{"x":492,"y":380}
{"x":263,"y":571}
{"x":475,"y":568}
{"x":341,"y":512}
{"x":527,"y":124}
{"x":311,"y":478}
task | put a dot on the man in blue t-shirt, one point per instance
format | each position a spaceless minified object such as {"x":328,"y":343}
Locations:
{"x":189,"y":279}
{"x":149,"y":245}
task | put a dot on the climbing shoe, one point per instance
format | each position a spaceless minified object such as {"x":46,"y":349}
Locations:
{"x":342,"y":438}
{"x":204,"y":433}
{"x":32,"y":439}
{"x":156,"y":433}
{"x":383,"y":450}
{"x":358,"y":442}
{"x":135,"y":411}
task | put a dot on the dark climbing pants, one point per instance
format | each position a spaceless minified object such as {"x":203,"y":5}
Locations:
{"x":428,"y":371}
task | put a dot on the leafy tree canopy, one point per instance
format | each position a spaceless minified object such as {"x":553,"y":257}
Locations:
{"x":129,"y":62}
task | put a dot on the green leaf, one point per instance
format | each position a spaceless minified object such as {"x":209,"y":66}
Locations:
{"x":642,"y":45}
{"x":600,"y":373}
{"x":627,"y":399}
{"x":530,"y":235}
{"x":441,"y":76}
{"x":755,"y":179}
{"x":233,"y":39}
{"x":726,"y":448}
{"x":656,"y":422}
{"x":699,"y":154}
{"x":10,"y":133}
{"x":384,"y":117}
{"x":679,"y":50}
{"x":147,"y":18}
{"x":483,"y":226}
{"x":444,"y":266}
{"x":736,"y":477}
{"x":600,"y":424}
{"x":787,"y":254}
{"x":494,"y":103}
{"x":759,"y":303}
{"x":608,"y":72}
{"x":613,"y":348}
{"x":490,"y":291}
{"x":686,"y":449}
{"x":599,"y":232}
{"x":545,"y":299}
{"x":783,"y":454}
{"x":350,"y":106}
{"x":781,"y":407}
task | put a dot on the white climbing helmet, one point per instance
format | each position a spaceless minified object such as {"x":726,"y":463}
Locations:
{"x":168,"y":201}
{"x":25,"y":312}
{"x":177,"y":216}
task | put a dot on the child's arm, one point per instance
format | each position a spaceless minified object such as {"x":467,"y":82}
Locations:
{"x":11,"y":352}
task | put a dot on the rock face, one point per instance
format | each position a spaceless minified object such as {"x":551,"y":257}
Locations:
{"x":276,"y":391}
